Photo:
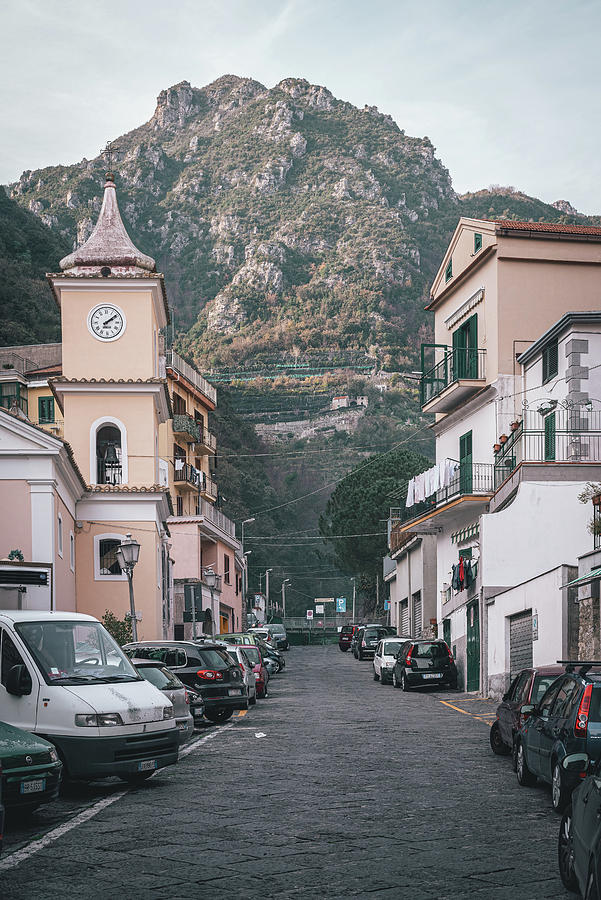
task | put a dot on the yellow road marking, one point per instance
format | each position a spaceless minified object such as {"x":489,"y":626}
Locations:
{"x":465,"y":712}
{"x":242,"y":712}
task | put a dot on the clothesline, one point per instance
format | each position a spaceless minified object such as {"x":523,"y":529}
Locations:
{"x":427,"y":483}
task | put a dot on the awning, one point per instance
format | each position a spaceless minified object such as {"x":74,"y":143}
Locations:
{"x":593,"y":575}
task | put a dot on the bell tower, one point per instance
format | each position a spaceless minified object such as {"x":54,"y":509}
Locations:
{"x":113,"y":394}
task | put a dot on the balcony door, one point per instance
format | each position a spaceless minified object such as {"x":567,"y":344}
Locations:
{"x":465,"y":463}
{"x":465,"y":350}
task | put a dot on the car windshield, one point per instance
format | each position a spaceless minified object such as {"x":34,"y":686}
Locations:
{"x":429,"y":650}
{"x":372,"y":633}
{"x":277,"y":629}
{"x":76,"y":653}
{"x":541,"y":684}
{"x":215,"y":659}
{"x":167,"y":655}
{"x":391,"y":648}
{"x":161,"y":678}
{"x":347,"y":629}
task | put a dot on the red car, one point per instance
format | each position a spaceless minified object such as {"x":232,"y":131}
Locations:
{"x":346,"y":636}
{"x":528,"y":686}
{"x":254,"y":656}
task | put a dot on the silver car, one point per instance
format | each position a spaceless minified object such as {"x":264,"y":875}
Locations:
{"x":172,"y":687}
{"x":236,"y":651}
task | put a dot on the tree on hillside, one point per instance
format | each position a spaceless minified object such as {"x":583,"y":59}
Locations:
{"x":360,"y":506}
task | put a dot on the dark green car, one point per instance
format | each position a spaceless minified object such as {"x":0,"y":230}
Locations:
{"x":31,"y":769}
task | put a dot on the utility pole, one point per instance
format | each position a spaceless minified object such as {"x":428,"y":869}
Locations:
{"x":284,"y":583}
{"x":377,"y":590}
{"x":244,"y":568}
{"x":267,"y":571}
{"x":354,"y":594}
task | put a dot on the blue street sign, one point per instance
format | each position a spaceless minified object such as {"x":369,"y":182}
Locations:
{"x":341,"y":604}
{"x":386,"y":604}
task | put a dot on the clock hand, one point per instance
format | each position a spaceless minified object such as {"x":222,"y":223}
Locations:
{"x":106,"y":322}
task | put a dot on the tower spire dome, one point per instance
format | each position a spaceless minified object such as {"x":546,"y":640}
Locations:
{"x":109,"y":246}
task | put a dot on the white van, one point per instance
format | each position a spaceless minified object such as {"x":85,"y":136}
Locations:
{"x":63,"y":677}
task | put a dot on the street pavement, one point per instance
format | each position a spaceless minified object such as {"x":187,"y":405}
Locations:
{"x":336,"y":786}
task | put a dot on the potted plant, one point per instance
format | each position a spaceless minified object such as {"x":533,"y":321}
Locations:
{"x":503,"y":438}
{"x":515,"y":426}
{"x":496,"y":447}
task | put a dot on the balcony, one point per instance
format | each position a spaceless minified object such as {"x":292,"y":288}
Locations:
{"x":568,"y":436}
{"x":472,"y":483}
{"x":398,"y":538}
{"x":108,"y":472}
{"x":185,"y":427}
{"x":178,"y":365}
{"x":192,"y":479}
{"x":459,"y":375}
{"x":206,"y":441}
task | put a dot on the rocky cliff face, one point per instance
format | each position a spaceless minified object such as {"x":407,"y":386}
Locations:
{"x":281,"y":217}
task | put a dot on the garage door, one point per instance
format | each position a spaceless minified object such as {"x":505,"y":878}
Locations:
{"x":405,"y":618}
{"x":417,"y":614}
{"x":520,"y":642}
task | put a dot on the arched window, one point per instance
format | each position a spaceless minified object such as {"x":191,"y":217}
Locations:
{"x":108,"y":452}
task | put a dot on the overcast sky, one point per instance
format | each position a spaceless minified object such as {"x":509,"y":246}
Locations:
{"x":508,"y":92}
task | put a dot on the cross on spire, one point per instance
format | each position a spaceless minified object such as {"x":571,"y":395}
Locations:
{"x":109,"y":151}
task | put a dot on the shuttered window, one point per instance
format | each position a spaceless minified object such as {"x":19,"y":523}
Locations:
{"x":416,"y":602}
{"x":477,"y":242}
{"x":45,"y":409}
{"x":405,"y":618}
{"x":550,"y":437}
{"x":448,"y":272}
{"x":550,"y":361}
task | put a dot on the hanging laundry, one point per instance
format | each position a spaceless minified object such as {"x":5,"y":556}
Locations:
{"x":461,"y":573}
{"x":469,"y":575}
{"x":432,"y":482}
{"x":179,"y":465}
{"x":410,"y":492}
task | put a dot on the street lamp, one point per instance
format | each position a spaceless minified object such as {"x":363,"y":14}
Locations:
{"x":210,"y":579}
{"x":244,"y":573}
{"x":267,"y":571}
{"x":284,"y":583}
{"x":127,"y":557}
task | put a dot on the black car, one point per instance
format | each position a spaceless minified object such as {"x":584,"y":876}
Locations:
{"x":528,"y":686}
{"x":567,"y":720}
{"x":424,"y":663}
{"x":579,"y":844}
{"x":367,"y":639}
{"x":205,"y":667}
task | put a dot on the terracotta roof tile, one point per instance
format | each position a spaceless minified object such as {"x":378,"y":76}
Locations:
{"x":547,"y":227}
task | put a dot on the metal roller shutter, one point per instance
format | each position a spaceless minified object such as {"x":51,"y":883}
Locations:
{"x":405,"y":618}
{"x":520,"y":642}
{"x":417,"y":614}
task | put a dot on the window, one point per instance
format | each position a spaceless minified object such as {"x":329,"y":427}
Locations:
{"x":226,"y":568}
{"x":477,"y":242}
{"x":179,"y":405}
{"x":550,"y":361}
{"x":541,"y":684}
{"x":519,"y":694}
{"x":13,"y":394}
{"x":106,"y":566}
{"x":563,"y":704}
{"x":465,"y":349}
{"x":10,"y":656}
{"x":45,"y":410}
{"x":179,"y":506}
{"x":108,"y":455}
{"x":448,"y":272}
{"x":198,"y":418}
{"x":72,"y":551}
{"x":465,"y":463}
{"x":550,"y":437}
{"x":60,"y":534}
{"x":549,"y":698}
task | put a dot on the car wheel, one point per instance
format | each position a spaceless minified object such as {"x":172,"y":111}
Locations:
{"x":525,"y":776}
{"x":497,"y":743}
{"x":591,"y":891}
{"x":565,"y":852}
{"x":404,"y":682}
{"x":514,"y":755}
{"x":252,"y":700}
{"x":383,"y":678}
{"x":395,"y":681}
{"x":560,"y":795}
{"x":376,"y":676}
{"x":217,"y":716}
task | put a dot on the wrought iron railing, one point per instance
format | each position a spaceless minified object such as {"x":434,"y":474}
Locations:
{"x":197,"y":478}
{"x":474,"y":478}
{"x":174,"y":361}
{"x":204,"y":508}
{"x":108,"y":472}
{"x":464,"y":363}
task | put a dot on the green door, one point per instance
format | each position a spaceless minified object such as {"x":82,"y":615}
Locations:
{"x":465,"y":349}
{"x":465,"y":463}
{"x":473,"y":647}
{"x":446,"y":631}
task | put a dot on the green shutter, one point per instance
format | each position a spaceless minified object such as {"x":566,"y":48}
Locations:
{"x":550,"y":437}
{"x":550,"y":361}
{"x":477,"y":242}
{"x":465,"y":463}
{"x":45,"y":409}
{"x":448,"y":273}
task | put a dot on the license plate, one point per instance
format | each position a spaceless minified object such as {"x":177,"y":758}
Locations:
{"x":146,"y":765}
{"x":431,"y":675}
{"x":183,"y":726}
{"x":234,"y":692}
{"x":33,"y":787}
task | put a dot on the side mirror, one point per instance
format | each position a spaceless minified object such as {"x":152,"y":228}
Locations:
{"x":527,"y":710}
{"x":576,"y":762}
{"x":18,"y":681}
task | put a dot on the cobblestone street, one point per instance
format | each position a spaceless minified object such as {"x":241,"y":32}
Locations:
{"x":336,"y":786}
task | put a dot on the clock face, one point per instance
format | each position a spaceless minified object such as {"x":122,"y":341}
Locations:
{"x":106,"y":322}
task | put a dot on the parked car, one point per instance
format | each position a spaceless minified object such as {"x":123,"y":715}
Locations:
{"x":278,"y":631}
{"x":566,"y":720}
{"x":270,"y":653}
{"x":205,"y":667}
{"x":197,"y":706}
{"x":253,"y":654}
{"x":238,"y":653}
{"x":173,"y":689}
{"x":66,"y":678}
{"x":385,"y":657}
{"x":579,"y":843}
{"x":528,"y":686}
{"x":424,"y":663}
{"x":31,"y":770}
{"x":265,"y":634}
{"x":367,"y":639}
{"x":346,"y":637}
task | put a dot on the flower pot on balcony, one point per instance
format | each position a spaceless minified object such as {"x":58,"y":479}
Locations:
{"x":503,"y":439}
{"x":496,"y":447}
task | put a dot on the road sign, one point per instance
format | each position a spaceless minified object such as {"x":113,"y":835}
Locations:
{"x":309,"y":614}
{"x":324,"y":599}
{"x":320,"y":609}
{"x":341,"y":604}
